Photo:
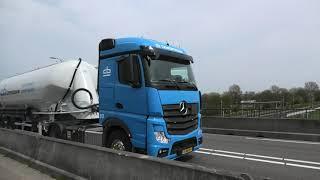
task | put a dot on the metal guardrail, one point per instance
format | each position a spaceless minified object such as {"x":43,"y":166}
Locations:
{"x":301,"y":113}
{"x":100,"y":163}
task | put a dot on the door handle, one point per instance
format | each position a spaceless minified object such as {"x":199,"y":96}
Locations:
{"x":119,"y":106}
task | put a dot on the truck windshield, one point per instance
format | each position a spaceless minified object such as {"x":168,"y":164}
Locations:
{"x":169,"y":73}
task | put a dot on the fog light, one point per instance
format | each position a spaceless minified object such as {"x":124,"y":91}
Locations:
{"x":161,"y":137}
{"x":163,"y":152}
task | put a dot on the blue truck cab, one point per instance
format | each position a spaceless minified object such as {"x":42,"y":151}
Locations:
{"x":148,"y":99}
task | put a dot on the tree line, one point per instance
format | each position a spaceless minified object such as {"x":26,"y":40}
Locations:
{"x":275,"y":96}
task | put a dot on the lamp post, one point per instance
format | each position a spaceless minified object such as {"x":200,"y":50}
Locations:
{"x":221,"y":107}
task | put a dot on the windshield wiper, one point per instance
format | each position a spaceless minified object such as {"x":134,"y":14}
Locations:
{"x":171,"y":81}
{"x":190,"y":83}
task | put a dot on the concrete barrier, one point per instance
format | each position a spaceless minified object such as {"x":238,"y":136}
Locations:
{"x":94,"y":162}
{"x":297,"y":129}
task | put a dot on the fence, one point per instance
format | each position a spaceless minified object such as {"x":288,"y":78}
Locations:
{"x":301,"y":113}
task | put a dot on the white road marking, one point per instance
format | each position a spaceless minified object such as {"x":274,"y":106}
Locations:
{"x":306,"y":162}
{"x":262,"y":160}
{"x":281,"y":140}
{"x":303,"y":166}
{"x":266,"y":159}
{"x":243,"y":154}
{"x":202,"y":152}
{"x":221,"y":151}
{"x":217,"y":154}
{"x":229,"y":152}
{"x":206,"y":149}
{"x":225,"y":155}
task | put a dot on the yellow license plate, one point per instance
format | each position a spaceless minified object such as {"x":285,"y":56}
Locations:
{"x":185,"y":151}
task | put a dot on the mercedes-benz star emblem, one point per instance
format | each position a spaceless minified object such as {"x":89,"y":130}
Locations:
{"x":183,"y":107}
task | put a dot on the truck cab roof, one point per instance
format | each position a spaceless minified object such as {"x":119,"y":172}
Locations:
{"x":116,"y":47}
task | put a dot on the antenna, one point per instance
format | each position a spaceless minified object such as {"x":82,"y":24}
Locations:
{"x":60,"y":59}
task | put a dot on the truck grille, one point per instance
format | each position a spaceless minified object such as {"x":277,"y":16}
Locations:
{"x":179,"y":123}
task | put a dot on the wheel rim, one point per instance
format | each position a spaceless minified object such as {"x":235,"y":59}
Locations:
{"x":118,"y":145}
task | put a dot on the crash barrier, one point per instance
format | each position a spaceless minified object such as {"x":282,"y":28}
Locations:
{"x":93,"y":162}
{"x":296,"y":129}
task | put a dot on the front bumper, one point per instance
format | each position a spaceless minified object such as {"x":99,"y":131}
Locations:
{"x":177,"y":145}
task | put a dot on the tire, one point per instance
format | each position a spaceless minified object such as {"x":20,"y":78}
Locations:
{"x":10,"y":123}
{"x":1,"y":122}
{"x":34,"y":127}
{"x":54,"y":132}
{"x":119,"y":140}
{"x":5,"y":122}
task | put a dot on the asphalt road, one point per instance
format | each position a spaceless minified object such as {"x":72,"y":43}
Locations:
{"x":260,"y":157}
{"x":13,"y":170}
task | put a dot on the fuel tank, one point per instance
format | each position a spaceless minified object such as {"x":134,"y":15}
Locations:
{"x":43,"y":89}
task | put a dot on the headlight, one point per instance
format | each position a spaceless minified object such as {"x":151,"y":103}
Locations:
{"x":161,"y":137}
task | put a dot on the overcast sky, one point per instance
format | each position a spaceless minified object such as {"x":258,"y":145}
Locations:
{"x":251,"y":43}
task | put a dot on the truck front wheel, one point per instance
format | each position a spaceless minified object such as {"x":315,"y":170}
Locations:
{"x":119,"y":140}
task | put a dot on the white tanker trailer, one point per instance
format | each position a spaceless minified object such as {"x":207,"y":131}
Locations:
{"x":35,"y":99}
{"x":50,"y":89}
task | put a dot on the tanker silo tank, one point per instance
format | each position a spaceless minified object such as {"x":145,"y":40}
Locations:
{"x":43,"y":89}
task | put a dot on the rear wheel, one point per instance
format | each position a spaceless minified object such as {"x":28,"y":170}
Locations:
{"x":119,"y":140}
{"x":5,"y":122}
{"x":34,"y":126}
{"x":1,"y":121}
{"x":10,"y":123}
{"x":2,"y":124}
{"x":54,"y":132}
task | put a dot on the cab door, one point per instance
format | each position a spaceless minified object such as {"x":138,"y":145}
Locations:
{"x":107,"y":78}
{"x":131,"y":99}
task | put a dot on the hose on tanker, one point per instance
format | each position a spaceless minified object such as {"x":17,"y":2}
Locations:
{"x":94,"y":107}
{"x":69,"y":88}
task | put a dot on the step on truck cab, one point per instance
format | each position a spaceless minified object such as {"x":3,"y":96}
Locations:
{"x":148,"y":98}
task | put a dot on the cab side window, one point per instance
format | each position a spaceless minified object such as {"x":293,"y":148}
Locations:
{"x":129,"y":70}
{"x":124,"y":70}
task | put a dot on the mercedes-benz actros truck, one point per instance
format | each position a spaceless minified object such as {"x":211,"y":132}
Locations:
{"x":142,"y":97}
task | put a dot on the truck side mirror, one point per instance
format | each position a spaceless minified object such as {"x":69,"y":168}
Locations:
{"x":149,"y":51}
